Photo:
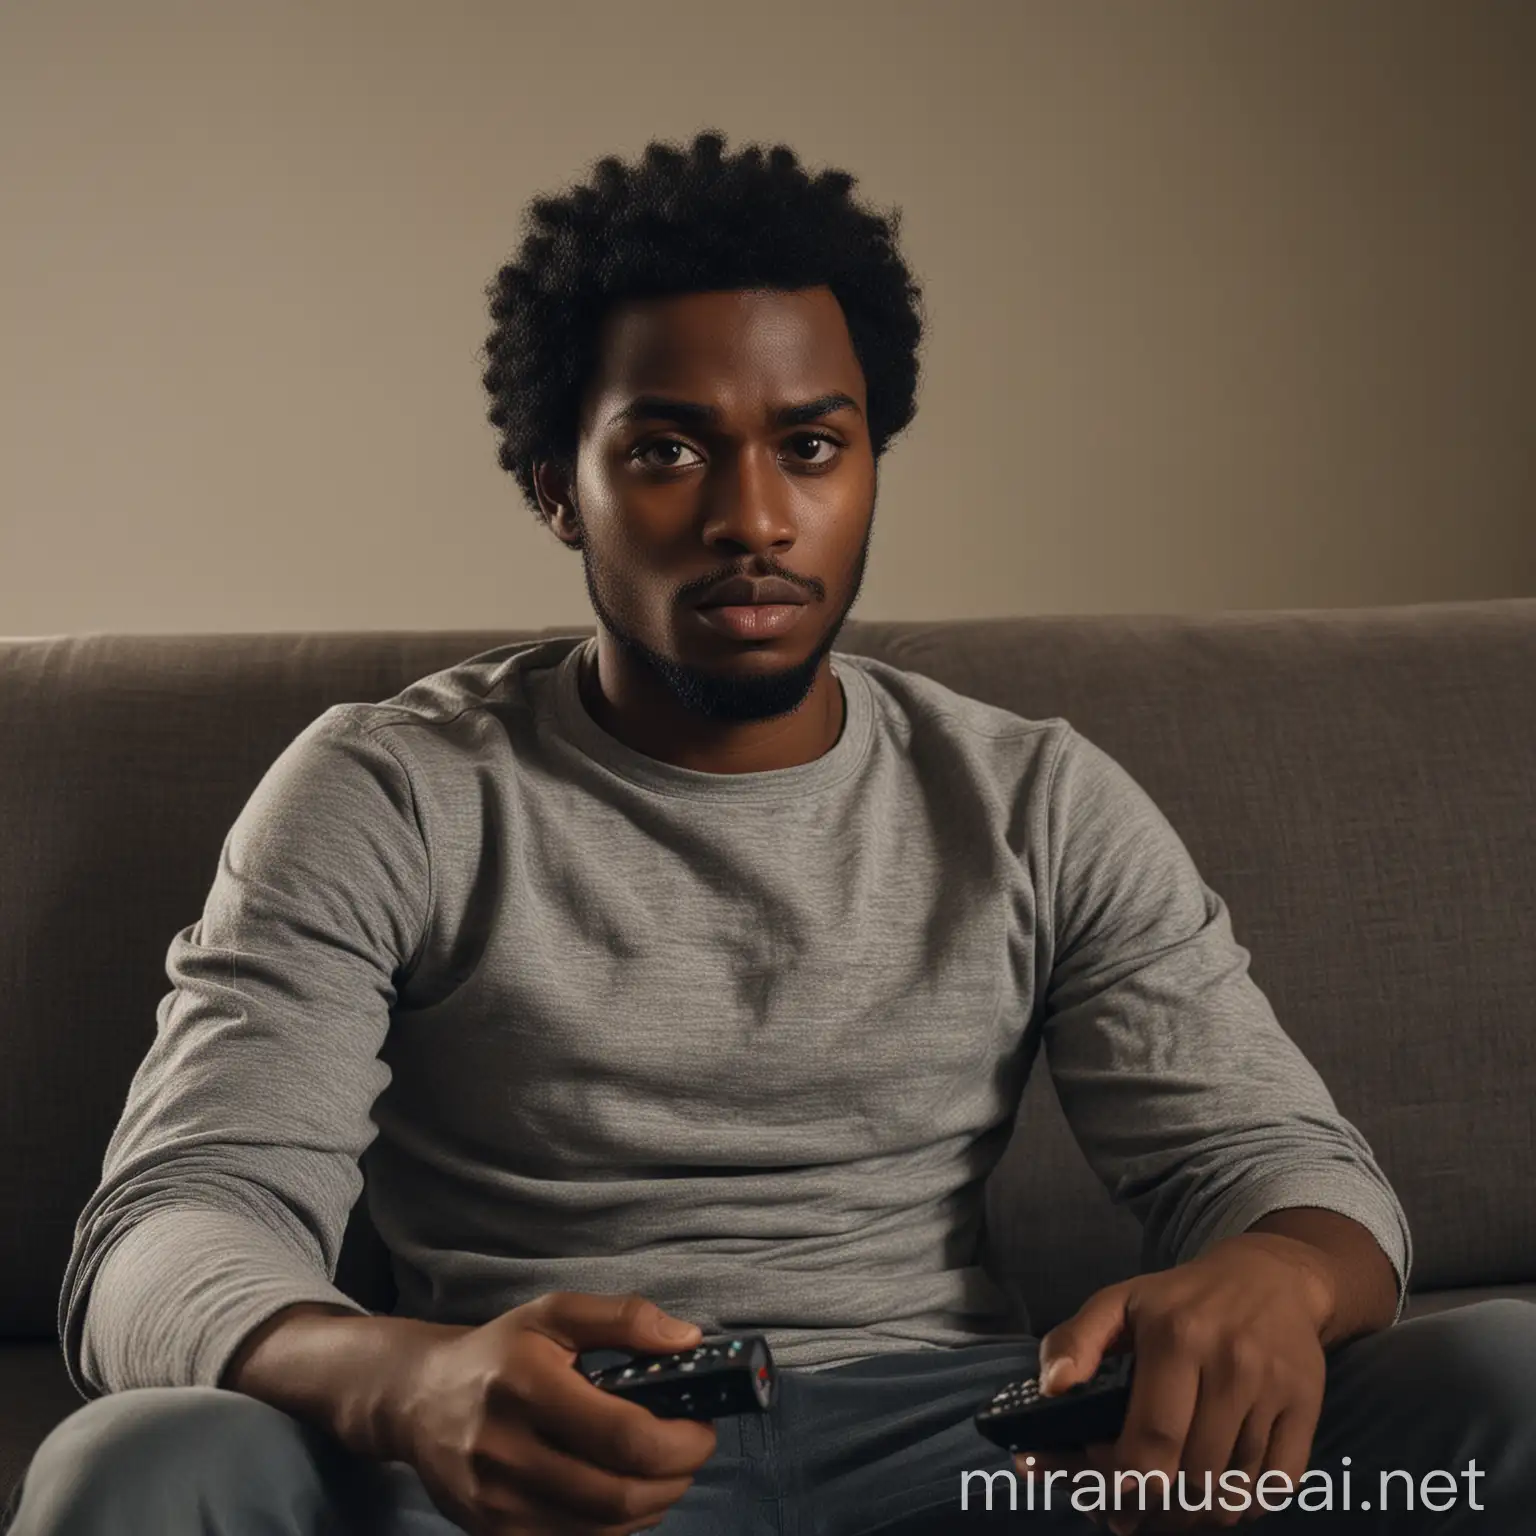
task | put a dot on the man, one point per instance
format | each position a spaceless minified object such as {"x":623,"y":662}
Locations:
{"x":688,"y":979}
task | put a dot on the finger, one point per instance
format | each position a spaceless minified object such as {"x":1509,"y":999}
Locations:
{"x":1290,"y":1447}
{"x":1247,"y":1459}
{"x":524,"y":1464}
{"x":1099,"y":1457}
{"x":577,"y":1320}
{"x":1072,"y":1350}
{"x":600,"y":1428}
{"x":1165,"y":1392}
{"x":1053,"y":1473}
{"x":1224,"y":1412}
{"x":1102,"y":1457}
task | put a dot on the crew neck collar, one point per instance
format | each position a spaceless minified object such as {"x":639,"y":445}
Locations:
{"x":832,"y":767}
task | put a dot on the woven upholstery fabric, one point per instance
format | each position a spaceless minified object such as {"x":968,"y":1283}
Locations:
{"x":1359,"y":785}
{"x":35,"y":1394}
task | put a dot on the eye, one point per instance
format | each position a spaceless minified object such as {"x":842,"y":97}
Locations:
{"x":817,"y":439}
{"x":642,"y":454}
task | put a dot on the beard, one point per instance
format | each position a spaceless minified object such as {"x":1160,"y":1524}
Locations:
{"x":722,"y":696}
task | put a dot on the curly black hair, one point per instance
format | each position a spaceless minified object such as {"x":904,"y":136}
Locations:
{"x":688,"y":222}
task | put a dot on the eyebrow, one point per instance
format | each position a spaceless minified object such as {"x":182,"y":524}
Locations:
{"x":692,"y":414}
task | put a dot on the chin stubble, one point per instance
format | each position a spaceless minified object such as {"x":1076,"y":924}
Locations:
{"x":713,"y":695}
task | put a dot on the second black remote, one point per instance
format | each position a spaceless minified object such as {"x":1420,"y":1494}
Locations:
{"x":1022,"y":1418}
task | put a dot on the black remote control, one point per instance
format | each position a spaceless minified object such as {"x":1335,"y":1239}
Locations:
{"x":719,"y":1377}
{"x":1022,"y":1418}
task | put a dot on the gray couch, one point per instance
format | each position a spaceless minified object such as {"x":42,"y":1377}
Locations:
{"x":1359,"y":785}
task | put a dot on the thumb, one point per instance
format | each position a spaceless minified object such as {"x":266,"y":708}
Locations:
{"x":650,"y":1322}
{"x":579,"y":1321}
{"x":1071,"y":1352}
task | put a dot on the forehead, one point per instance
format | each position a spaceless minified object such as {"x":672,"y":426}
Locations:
{"x":738,"y":347}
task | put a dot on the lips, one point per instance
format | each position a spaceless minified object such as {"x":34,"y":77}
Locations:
{"x":752,"y":621}
{"x":743,"y":591}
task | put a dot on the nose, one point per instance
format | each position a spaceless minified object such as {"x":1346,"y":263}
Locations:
{"x":747,"y":504}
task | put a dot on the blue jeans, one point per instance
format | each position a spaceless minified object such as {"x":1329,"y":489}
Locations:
{"x":876,"y":1446}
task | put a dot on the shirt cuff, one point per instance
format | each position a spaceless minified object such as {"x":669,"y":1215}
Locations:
{"x":178,"y":1294}
{"x":1324,"y":1189}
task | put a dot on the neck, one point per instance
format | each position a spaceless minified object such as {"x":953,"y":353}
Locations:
{"x":635,"y":707}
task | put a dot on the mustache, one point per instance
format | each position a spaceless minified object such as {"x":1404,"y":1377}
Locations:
{"x":811,"y":584}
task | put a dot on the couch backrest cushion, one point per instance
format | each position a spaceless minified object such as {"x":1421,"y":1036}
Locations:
{"x":1358,"y":785}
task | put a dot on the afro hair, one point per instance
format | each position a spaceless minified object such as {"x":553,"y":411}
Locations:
{"x":688,"y":222}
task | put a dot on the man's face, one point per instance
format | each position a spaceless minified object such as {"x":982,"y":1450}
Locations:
{"x":688,"y":472}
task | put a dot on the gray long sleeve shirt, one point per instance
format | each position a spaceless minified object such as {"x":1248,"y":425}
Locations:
{"x":745,"y":1043}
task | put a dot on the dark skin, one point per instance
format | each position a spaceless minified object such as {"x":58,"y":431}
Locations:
{"x":1230,"y":1346}
{"x":665,"y":506}
{"x":1230,"y":1363}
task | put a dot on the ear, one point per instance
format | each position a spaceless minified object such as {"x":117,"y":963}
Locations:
{"x":552,"y":486}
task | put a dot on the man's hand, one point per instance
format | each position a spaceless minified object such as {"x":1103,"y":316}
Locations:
{"x":508,"y":1438}
{"x":1229,"y":1375}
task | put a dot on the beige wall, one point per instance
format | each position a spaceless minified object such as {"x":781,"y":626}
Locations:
{"x":1231,"y":302}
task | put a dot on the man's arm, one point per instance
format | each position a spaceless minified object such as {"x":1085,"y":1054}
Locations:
{"x":332,"y":1368}
{"x":1270,"y":1232}
{"x":227,"y":1183}
{"x":1357,"y":1285}
{"x":1187,"y":1097}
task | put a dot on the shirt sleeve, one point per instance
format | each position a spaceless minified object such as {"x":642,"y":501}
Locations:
{"x":1187,"y":1097}
{"x":227,"y":1184}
